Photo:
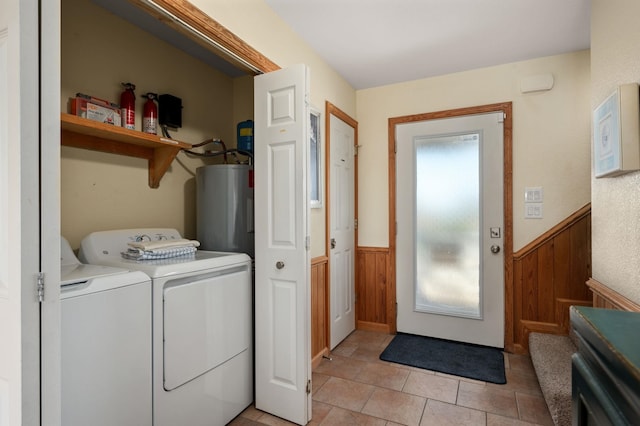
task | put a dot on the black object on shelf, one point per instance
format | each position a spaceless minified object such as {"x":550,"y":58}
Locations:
{"x":170,"y":111}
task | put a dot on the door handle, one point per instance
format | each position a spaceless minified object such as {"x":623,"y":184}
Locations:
{"x":495,"y":249}
{"x":279,"y":264}
{"x":333,"y":243}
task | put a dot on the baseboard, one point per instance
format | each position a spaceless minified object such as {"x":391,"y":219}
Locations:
{"x":316,"y":360}
{"x":373,"y":326}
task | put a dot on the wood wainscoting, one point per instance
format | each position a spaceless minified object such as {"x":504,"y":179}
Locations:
{"x":373,"y":297}
{"x":605,"y":297}
{"x":375,"y":300}
{"x":319,"y":309}
{"x":550,"y":275}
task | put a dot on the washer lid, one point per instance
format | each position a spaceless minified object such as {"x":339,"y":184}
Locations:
{"x":77,"y":273}
{"x":78,"y":280}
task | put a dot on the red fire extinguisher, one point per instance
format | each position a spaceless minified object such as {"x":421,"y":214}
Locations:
{"x":150,"y":115}
{"x":128,"y":106}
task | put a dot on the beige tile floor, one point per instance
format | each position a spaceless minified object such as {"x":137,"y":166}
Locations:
{"x":357,"y":388}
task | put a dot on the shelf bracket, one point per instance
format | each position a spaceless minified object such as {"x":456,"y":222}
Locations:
{"x":160,"y":163}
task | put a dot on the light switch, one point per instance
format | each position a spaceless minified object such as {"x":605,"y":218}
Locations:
{"x":533,"y":194}
{"x":533,"y":211}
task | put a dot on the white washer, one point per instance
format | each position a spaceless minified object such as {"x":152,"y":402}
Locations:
{"x":202,"y":327}
{"x":105,"y":344}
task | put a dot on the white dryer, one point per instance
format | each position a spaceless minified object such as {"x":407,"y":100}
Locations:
{"x":105,"y":344}
{"x":202,"y":326}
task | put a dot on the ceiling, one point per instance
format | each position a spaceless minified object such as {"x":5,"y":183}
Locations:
{"x":378,"y":42}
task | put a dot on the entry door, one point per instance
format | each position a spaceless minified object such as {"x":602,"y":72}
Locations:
{"x":282,"y":293}
{"x":449,"y":210}
{"x":342,"y":233}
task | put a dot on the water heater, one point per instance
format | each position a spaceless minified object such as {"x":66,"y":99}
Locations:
{"x":224,"y":208}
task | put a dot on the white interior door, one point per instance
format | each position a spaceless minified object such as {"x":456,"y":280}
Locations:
{"x":19,"y":214}
{"x":449,"y":207}
{"x":342,"y":233}
{"x":50,"y":338}
{"x":282,"y":294}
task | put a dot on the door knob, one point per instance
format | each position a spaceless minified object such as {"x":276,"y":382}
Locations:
{"x":495,"y":249}
{"x":279,"y":264}
{"x":333,"y":243}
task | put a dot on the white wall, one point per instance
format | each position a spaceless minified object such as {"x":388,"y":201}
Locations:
{"x":551,"y":143}
{"x":615,"y":60}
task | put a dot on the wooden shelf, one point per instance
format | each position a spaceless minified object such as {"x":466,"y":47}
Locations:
{"x":79,"y":132}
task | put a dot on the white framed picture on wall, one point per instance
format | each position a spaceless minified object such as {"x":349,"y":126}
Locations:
{"x":616,"y":133}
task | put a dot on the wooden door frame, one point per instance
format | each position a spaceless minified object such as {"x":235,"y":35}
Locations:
{"x":331,"y":109}
{"x":505,"y":107}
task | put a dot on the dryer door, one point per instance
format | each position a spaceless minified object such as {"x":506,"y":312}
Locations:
{"x":207,"y":321}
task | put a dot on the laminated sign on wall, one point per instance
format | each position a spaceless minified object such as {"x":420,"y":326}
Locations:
{"x":616,"y":132}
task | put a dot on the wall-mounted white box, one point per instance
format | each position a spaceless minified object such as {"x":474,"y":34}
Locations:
{"x":536,"y":83}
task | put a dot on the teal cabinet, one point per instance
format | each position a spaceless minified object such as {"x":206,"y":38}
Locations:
{"x":606,"y":368}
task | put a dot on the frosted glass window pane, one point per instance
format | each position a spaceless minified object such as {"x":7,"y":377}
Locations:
{"x":447,"y":215}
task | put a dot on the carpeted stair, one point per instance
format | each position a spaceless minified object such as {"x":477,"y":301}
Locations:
{"x":551,"y":358}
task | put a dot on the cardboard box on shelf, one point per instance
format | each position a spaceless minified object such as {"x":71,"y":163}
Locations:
{"x":103,"y":114}
{"x":95,"y":109}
